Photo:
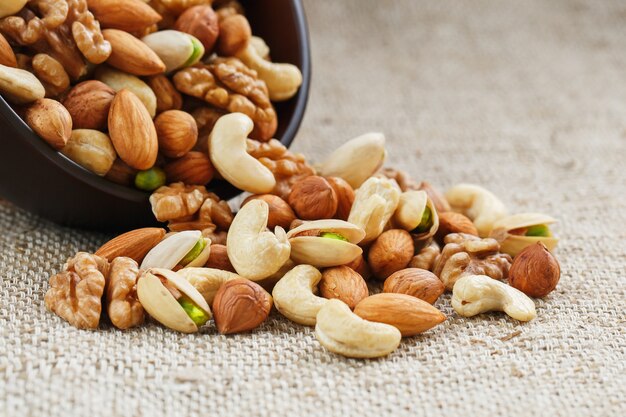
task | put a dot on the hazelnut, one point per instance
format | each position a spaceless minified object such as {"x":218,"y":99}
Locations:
{"x":201,"y":22}
{"x":360,"y":266}
{"x":417,"y":282}
{"x":535,"y":271}
{"x":313,"y":198}
{"x":240,"y":305}
{"x":218,"y":259}
{"x":345,"y":196}
{"x":89,"y":103}
{"x":391,"y":252}
{"x":280,"y":213}
{"x":234,"y":34}
{"x":451,"y":222}
{"x":177,"y":132}
{"x":193,"y":168}
{"x":344,"y":284}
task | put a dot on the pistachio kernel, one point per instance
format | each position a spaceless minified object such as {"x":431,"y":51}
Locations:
{"x":333,"y":235}
{"x":198,"y":52}
{"x":195,"y":313}
{"x":426,"y":222}
{"x":150,"y":179}
{"x":539,"y":230}
{"x":194,"y":252}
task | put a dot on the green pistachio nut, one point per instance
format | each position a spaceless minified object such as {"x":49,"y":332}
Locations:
{"x":195,"y":313}
{"x":426,"y":222}
{"x":194,"y":252}
{"x":198,"y":52}
{"x":333,"y":235}
{"x":539,"y":230}
{"x":150,"y":179}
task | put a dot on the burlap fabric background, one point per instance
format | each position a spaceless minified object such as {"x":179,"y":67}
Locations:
{"x":527,"y":98}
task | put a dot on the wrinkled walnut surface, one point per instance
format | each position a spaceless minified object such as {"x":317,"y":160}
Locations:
{"x":286,"y":166}
{"x":465,"y":254}
{"x":75,"y":293}
{"x":123,"y":306}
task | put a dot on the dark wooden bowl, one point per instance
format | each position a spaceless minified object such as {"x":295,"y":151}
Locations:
{"x":39,"y":179}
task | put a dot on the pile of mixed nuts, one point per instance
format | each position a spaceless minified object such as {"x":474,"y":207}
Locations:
{"x":346,"y":223}
{"x":306,"y":240}
{"x":131,"y":89}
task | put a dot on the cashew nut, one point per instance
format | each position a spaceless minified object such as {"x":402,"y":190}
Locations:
{"x":227,"y":149}
{"x":255,"y":252}
{"x":356,"y":160}
{"x":477,"y":203}
{"x":20,"y":86}
{"x":207,"y":280}
{"x":282,"y":80}
{"x":293,"y":295}
{"x":475,"y":294}
{"x":374,"y":204}
{"x":341,"y":331}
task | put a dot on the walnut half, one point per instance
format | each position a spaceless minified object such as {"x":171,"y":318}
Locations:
{"x":466,"y":254}
{"x":75,"y":293}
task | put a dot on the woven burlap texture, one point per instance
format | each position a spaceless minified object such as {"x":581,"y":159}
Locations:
{"x":527,"y":98}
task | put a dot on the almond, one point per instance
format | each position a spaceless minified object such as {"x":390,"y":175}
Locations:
{"x":132,"y":131}
{"x":451,"y":222}
{"x":134,"y":244}
{"x":218,"y":259}
{"x":344,"y":284}
{"x":7,"y":56}
{"x":390,"y":252}
{"x":127,"y":15}
{"x":194,"y":168}
{"x":408,"y":314}
{"x":416,"y":282}
{"x":280,"y":213}
{"x":89,"y":103}
{"x":131,"y":55}
{"x":240,"y":305}
{"x":177,"y":132}
{"x":51,"y":121}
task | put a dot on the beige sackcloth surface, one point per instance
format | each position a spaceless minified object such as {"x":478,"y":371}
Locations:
{"x":526,"y":98}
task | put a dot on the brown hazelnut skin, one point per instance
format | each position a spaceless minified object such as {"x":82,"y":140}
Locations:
{"x":201,"y":22}
{"x":360,"y":266}
{"x":390,"y":252}
{"x":344,"y":284}
{"x":218,"y":259}
{"x":313,"y":198}
{"x":416,"y":282}
{"x":535,"y":271}
{"x":280,"y":213}
{"x":177,"y":132}
{"x":345,"y":196}
{"x":240,"y":305}
{"x":234,"y":34}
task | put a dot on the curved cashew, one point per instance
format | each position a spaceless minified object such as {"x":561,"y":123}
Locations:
{"x":293,"y":295}
{"x":341,"y":331}
{"x":255,"y":252}
{"x":475,"y":294}
{"x":477,"y":203}
{"x":282,"y":80}
{"x":374,"y":204}
{"x":207,"y":280}
{"x":227,"y":149}
{"x":356,"y":160}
